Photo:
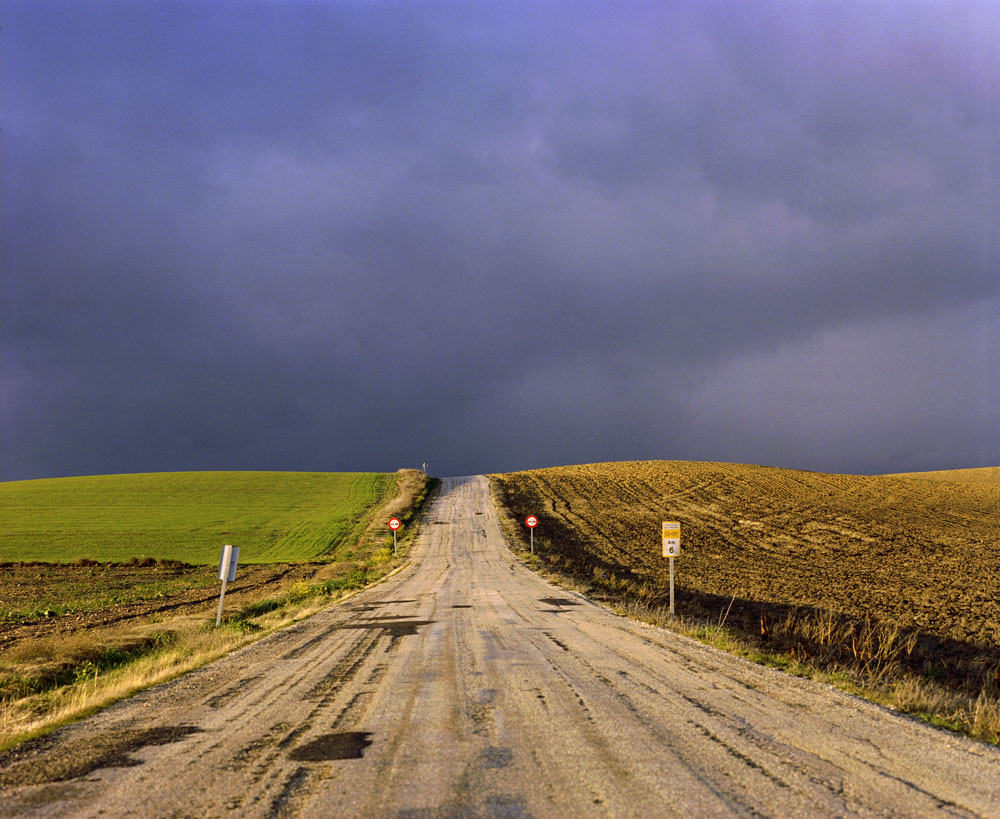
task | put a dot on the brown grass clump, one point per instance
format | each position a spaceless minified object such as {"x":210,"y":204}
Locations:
{"x":885,"y":585}
{"x":413,"y":489}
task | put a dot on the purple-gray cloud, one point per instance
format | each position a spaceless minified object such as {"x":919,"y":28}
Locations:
{"x":360,"y":236}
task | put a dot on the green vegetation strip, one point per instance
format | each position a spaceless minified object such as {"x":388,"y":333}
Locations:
{"x":272,"y":516}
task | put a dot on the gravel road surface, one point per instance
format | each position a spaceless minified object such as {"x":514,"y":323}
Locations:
{"x":466,"y":686}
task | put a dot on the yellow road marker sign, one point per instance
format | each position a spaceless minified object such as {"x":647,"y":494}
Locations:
{"x":671,"y":538}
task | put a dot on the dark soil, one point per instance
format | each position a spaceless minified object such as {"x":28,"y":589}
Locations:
{"x":175,"y":588}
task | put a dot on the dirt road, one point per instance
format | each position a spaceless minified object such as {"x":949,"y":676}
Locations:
{"x":466,"y":686}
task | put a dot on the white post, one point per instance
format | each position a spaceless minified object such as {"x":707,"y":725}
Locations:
{"x":532,"y":539}
{"x":671,"y":587}
{"x":227,"y":558}
{"x":394,"y":542}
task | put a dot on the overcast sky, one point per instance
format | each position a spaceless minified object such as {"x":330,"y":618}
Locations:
{"x":498,"y":235}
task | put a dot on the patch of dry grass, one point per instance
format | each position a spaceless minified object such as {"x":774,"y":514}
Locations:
{"x":875,"y":667}
{"x":47,"y":682}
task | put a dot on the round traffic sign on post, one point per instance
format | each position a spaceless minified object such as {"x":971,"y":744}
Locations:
{"x":531,"y":522}
{"x":394,"y":524}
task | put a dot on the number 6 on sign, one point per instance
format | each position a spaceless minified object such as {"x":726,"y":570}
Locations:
{"x":671,"y":538}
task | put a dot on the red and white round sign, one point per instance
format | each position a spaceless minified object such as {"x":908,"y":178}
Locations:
{"x":394,"y":524}
{"x":531,"y":521}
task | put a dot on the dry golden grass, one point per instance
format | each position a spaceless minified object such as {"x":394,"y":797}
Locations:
{"x":879,"y":676}
{"x":73,"y":680}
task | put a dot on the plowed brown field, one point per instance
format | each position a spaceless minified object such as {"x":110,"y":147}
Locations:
{"x":915,"y":553}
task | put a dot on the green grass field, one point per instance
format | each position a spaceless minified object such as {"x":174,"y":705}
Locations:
{"x":272,"y":516}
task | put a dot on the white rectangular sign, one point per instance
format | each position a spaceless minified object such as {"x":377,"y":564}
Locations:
{"x":671,"y":538}
{"x":227,"y":562}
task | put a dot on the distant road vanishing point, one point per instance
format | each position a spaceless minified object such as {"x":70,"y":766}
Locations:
{"x":466,"y":686}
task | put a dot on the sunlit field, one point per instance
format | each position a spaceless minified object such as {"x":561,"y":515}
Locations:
{"x":890,"y":582}
{"x":186,"y":516}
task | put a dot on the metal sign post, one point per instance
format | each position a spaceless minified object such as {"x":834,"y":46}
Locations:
{"x":531,"y":522}
{"x":671,"y":587}
{"x":394,"y":524}
{"x":671,"y":548}
{"x":227,"y":573}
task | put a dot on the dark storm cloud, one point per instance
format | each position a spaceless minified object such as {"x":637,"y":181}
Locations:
{"x":339,"y":236}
